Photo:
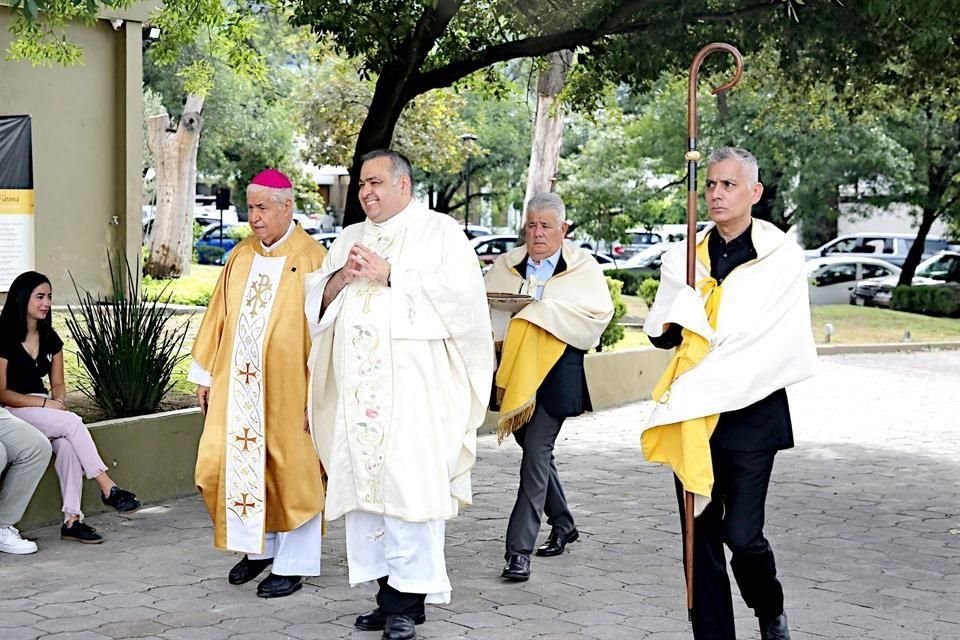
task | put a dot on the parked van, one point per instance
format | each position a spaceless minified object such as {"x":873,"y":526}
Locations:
{"x":892,"y":247}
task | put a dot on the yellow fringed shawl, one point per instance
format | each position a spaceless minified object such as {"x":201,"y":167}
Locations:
{"x":685,"y":446}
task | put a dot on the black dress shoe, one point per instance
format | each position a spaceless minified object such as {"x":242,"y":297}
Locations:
{"x":274,"y":586}
{"x":399,"y":627}
{"x":517,"y":569}
{"x":775,"y":628}
{"x":556,"y":543}
{"x":376,"y":620}
{"x":247,"y":569}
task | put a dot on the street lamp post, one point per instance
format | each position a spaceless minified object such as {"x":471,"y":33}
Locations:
{"x":466,"y":138}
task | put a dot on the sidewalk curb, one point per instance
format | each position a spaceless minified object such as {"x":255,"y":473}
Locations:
{"x":897,"y":347}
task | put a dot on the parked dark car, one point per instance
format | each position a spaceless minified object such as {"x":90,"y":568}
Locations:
{"x":213,"y":247}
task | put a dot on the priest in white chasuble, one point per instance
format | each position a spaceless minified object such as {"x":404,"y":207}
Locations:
{"x":257,"y":470}
{"x":401,"y":369}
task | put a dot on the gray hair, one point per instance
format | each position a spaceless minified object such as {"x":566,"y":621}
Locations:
{"x":744,"y":157}
{"x":547,"y":202}
{"x":399,"y":165}
{"x":277,"y":195}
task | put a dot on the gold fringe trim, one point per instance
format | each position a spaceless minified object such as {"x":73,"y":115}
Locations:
{"x":507,"y":424}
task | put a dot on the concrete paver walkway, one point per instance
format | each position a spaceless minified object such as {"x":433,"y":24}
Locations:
{"x":864,"y":516}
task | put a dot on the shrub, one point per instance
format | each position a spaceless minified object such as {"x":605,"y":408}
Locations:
{"x":239,"y":232}
{"x":125,"y":345}
{"x":188,"y":291}
{"x":931,"y":300}
{"x":648,"y":291}
{"x":210,"y":254}
{"x":630,"y":281}
{"x":614,"y":331}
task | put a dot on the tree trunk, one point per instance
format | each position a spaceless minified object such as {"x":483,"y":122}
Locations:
{"x":175,"y":159}
{"x":548,"y":128}
{"x":376,"y":133}
{"x":915,"y":255}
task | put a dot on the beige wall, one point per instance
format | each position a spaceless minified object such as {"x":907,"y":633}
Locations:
{"x":86,"y":151}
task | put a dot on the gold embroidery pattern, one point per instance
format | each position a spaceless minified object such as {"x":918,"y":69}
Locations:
{"x":246,"y":443}
{"x":372,"y":381}
{"x":259,"y":294}
{"x":245,"y":482}
{"x":368,"y":431}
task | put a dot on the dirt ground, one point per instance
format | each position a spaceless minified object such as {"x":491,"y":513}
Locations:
{"x":90,"y":412}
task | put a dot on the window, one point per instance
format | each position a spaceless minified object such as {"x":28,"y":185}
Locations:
{"x":836,"y":274}
{"x":847,"y":245}
{"x":946,"y":268}
{"x":874,"y":271}
{"x":496,"y":247}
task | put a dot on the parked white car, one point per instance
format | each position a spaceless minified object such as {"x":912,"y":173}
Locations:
{"x":892,"y":247}
{"x":832,"y":280}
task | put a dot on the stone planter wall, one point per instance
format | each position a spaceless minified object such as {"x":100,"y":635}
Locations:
{"x":154,"y":456}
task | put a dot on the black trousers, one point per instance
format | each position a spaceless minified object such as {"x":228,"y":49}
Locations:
{"x":734,"y":517}
{"x":540,"y":490}
{"x":393,"y":602}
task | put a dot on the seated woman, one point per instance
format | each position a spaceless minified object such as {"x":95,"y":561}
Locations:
{"x":29,"y":351}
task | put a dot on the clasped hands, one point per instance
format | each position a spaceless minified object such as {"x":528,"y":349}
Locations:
{"x":363,"y":262}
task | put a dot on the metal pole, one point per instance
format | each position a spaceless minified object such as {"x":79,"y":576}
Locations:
{"x":466,"y":214}
{"x":692,"y":156}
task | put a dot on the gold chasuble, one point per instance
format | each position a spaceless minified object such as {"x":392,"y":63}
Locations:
{"x":256,"y":467}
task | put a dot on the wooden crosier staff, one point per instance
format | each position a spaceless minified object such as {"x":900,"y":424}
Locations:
{"x":692,"y":156}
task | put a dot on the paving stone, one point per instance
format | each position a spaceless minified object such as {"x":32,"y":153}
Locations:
{"x":131,"y":629}
{"x":862,"y":542}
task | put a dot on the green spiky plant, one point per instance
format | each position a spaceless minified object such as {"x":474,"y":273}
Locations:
{"x":125,"y":344}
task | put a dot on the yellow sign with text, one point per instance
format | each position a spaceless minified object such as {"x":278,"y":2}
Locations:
{"x":17,"y":201}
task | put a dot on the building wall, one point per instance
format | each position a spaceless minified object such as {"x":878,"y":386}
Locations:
{"x":86,"y":151}
{"x":896,"y":218}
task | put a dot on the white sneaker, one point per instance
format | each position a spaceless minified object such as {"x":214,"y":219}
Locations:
{"x":11,"y":542}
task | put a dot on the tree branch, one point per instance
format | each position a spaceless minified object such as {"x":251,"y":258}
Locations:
{"x":728,"y":16}
{"x":616,"y":23}
{"x":525,"y":48}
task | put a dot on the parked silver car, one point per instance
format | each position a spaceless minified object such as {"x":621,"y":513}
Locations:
{"x":833,"y":279}
{"x":938,"y":269}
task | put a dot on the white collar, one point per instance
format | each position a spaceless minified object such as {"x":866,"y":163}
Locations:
{"x":398,"y":218}
{"x":282,"y":239}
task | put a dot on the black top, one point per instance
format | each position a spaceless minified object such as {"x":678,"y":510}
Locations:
{"x":765,"y":424}
{"x":24,"y":374}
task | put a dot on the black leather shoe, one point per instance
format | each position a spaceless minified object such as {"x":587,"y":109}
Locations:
{"x":274,"y":586}
{"x":376,"y":620}
{"x":517,"y":569}
{"x":247,"y":569}
{"x":556,"y":543}
{"x":775,"y":628}
{"x":399,"y":627}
